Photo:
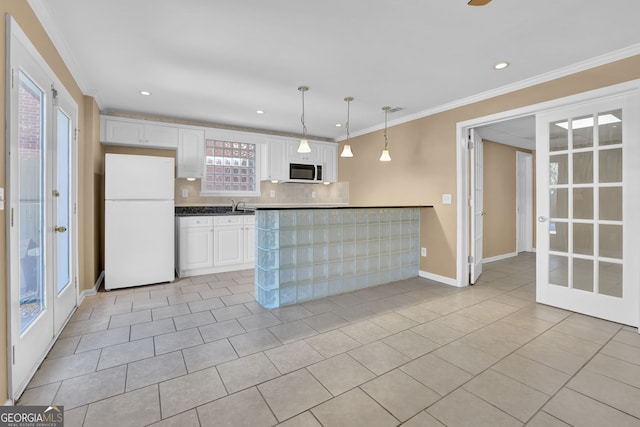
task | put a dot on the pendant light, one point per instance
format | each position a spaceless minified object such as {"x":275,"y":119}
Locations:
{"x":346,"y":150}
{"x":304,"y":144}
{"x":385,"y":157}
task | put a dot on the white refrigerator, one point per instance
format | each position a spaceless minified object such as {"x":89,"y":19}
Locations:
{"x":139,"y":220}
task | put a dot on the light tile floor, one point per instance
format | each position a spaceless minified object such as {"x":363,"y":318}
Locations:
{"x":200,"y":351}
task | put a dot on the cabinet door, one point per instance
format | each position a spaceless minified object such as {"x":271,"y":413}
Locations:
{"x":196,"y":247}
{"x":277,"y":167}
{"x":329,"y":163}
{"x":121,"y":132}
{"x":190,"y":153}
{"x":249,"y":243}
{"x":159,"y":136}
{"x":228,"y":245}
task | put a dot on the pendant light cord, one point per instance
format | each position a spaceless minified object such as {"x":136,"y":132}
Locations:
{"x":304,"y":127}
{"x":386,"y":142}
{"x":348,"y":105}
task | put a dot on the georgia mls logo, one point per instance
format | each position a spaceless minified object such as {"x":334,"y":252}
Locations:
{"x":32,"y":416}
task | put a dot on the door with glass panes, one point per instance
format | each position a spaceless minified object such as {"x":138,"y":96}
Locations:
{"x":41,"y":205}
{"x":587,"y":198}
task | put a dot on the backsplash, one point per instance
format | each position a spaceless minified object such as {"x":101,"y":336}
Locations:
{"x":283,"y":194}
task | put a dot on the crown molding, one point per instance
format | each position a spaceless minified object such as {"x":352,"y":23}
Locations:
{"x":523,"y":84}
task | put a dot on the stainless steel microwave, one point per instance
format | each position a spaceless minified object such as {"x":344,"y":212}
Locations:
{"x":302,"y":172}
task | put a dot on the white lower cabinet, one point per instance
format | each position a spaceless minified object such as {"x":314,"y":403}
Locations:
{"x":214,"y":244}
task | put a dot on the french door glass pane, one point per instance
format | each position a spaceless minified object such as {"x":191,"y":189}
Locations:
{"x":583,"y":168}
{"x":558,"y":170}
{"x":583,"y":239}
{"x":559,"y":203}
{"x":610,"y":128}
{"x":582,"y":132}
{"x":611,"y":203}
{"x":610,"y":279}
{"x":611,"y":241}
{"x":611,"y":165}
{"x":558,"y":270}
{"x":583,"y":203}
{"x":62,"y":211}
{"x":30,"y":208}
{"x":558,"y":136}
{"x":559,"y":236}
{"x":583,"y":274}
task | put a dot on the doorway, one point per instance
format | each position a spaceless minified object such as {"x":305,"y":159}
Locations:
{"x":41,"y":184}
{"x":501,"y":208}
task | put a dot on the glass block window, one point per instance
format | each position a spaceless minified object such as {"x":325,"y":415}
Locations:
{"x":230,"y":167}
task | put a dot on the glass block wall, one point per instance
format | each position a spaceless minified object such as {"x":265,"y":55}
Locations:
{"x":305,"y":254}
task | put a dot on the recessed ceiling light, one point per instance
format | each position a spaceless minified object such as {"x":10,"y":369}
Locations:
{"x":145,"y":93}
{"x":338,"y":125}
{"x":260,"y":112}
{"x":501,"y":65}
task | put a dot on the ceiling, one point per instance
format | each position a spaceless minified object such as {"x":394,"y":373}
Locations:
{"x":221,"y":61}
{"x":520,"y":132}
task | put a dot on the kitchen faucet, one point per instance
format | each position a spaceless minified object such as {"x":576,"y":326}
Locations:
{"x":235,"y":205}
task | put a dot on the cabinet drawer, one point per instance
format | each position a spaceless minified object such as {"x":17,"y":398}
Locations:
{"x":249,"y":219}
{"x":196,"y":221}
{"x":227,"y":220}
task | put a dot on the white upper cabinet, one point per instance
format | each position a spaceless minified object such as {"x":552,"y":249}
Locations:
{"x":139,"y":133}
{"x":277,"y":166}
{"x":329,"y":154}
{"x":191,"y":154}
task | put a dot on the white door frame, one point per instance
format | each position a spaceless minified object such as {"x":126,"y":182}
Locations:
{"x":524,"y":192}
{"x":462,"y":158}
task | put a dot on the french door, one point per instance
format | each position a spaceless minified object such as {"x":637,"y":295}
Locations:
{"x":476,"y":208}
{"x":41,"y":186}
{"x":588,"y":196}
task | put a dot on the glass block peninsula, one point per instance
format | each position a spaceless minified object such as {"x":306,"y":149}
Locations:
{"x":310,"y":253}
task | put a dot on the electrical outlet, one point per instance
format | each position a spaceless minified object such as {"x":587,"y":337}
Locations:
{"x":446,"y":199}
{"x":272,"y":193}
{"x":313,"y":194}
{"x":185,"y":192}
{"x":423,"y":252}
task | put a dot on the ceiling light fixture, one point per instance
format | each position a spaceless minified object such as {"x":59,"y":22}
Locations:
{"x":385,"y":157}
{"x":260,"y":112}
{"x":501,"y":66}
{"x":346,"y":151}
{"x":145,"y":93}
{"x":304,"y":144}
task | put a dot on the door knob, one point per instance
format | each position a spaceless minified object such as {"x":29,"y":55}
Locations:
{"x":60,"y":229}
{"x":56,"y":193}
{"x":542,"y":218}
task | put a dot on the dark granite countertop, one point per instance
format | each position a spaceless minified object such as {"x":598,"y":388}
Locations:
{"x":281,"y":208}
{"x":210,"y":211}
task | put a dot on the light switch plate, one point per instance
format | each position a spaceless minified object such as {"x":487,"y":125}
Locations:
{"x":185,"y":193}
{"x":313,"y":194}
{"x":423,"y":252}
{"x":272,"y":193}
{"x":446,"y":199}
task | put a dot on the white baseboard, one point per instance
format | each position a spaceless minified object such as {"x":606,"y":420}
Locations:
{"x":499,"y":257}
{"x":93,"y":290}
{"x":8,"y":403}
{"x":437,"y":278}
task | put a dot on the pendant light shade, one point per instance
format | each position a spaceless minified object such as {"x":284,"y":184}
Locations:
{"x":385,"y":157}
{"x":346,"y":150}
{"x":304,"y":144}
